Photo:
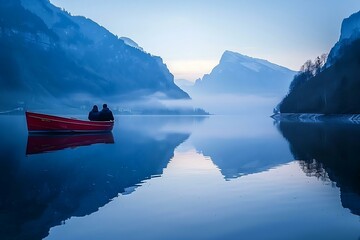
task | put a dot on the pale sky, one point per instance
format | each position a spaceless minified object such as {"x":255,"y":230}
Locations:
{"x":191,"y":35}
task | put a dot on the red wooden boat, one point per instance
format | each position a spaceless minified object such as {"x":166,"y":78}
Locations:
{"x":54,"y":142}
{"x":37,"y":122}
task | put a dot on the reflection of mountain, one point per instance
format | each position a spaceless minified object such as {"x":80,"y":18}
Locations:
{"x":329,"y":150}
{"x":241,"y":145}
{"x":40,"y":191}
{"x":54,"y":142}
{"x":237,"y":157}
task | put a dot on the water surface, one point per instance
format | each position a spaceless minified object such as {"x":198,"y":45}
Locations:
{"x":159,"y":177}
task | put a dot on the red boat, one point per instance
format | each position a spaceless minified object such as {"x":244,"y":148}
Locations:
{"x":54,"y":142}
{"x":37,"y":122}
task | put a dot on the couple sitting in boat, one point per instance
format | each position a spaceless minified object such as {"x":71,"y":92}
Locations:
{"x":104,"y":115}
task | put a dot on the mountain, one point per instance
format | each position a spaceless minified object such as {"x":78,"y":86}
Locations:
{"x":48,"y":55}
{"x":350,"y":31}
{"x":335,"y":89}
{"x":240,"y":74}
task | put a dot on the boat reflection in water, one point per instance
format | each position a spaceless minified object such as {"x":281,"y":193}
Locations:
{"x":40,"y":191}
{"x":41,"y":143}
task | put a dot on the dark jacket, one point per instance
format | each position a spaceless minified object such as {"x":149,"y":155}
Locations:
{"x":106,"y":115}
{"x":94,"y":115}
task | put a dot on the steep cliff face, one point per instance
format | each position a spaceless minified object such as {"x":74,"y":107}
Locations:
{"x":350,"y":31}
{"x":47,"y":53}
{"x":351,"y":27}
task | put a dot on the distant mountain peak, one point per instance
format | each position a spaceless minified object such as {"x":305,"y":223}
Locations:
{"x":241,"y":74}
{"x":230,"y":56}
{"x":253,"y":64}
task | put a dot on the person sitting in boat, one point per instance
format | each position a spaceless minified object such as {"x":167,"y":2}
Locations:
{"x":94,"y":114}
{"x":106,"y":114}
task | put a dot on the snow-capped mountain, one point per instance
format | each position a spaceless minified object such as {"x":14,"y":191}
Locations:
{"x":240,"y":74}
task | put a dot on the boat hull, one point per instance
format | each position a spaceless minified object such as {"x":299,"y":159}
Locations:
{"x":37,"y":122}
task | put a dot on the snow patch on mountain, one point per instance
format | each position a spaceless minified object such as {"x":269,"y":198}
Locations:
{"x":131,"y":43}
{"x":241,"y":74}
{"x":254,"y":64}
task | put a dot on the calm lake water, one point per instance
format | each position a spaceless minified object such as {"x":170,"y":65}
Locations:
{"x":217,"y":177}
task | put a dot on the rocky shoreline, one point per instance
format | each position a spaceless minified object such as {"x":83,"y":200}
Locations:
{"x":312,"y":117}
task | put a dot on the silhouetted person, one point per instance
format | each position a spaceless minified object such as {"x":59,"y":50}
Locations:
{"x":106,"y":114}
{"x":94,"y":114}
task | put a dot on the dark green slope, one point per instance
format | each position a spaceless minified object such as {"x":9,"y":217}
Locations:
{"x":336,"y":90}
